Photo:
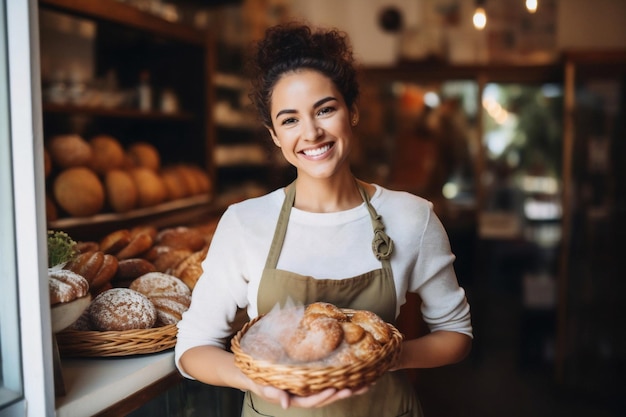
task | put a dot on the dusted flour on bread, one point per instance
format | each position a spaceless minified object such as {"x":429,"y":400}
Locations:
{"x":122,"y":309}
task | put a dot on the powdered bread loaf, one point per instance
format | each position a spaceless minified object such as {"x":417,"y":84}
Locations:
{"x":66,"y":286}
{"x":121,"y":309}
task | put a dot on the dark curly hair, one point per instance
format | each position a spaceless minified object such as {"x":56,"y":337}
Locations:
{"x":293,"y":46}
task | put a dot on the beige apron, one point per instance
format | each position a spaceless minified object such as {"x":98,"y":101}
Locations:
{"x":392,"y":395}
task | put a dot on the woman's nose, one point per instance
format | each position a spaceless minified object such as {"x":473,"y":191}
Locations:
{"x":311,"y":130}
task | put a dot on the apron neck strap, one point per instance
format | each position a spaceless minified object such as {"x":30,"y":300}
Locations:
{"x":382,"y":245}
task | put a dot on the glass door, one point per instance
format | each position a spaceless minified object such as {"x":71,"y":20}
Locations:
{"x":26,"y":386}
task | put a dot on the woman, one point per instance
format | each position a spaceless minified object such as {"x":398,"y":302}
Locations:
{"x":325,"y":237}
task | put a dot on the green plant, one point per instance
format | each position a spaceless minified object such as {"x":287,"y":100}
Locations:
{"x":61,"y":248}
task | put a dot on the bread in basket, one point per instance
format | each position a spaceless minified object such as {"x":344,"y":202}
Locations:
{"x":308,"y":377}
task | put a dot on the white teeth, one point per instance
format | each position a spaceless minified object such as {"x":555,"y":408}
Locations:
{"x":316,"y":152}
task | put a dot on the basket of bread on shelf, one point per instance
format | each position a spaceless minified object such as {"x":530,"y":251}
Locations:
{"x":124,"y":294}
{"x":306,"y":349}
{"x":100,"y":175}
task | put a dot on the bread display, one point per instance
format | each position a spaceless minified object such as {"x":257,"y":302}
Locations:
{"x":79,"y":192}
{"x":121,"y":309}
{"x":125,"y":245}
{"x":190,"y":269}
{"x":65,"y":286}
{"x":119,"y":179}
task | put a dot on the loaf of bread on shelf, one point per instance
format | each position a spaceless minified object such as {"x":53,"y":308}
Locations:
{"x":69,"y":150}
{"x":107,"y":153}
{"x":129,"y":269}
{"x":170,"y":295}
{"x":123,"y":244}
{"x":79,"y":192}
{"x":190,"y":269}
{"x":150,"y":188}
{"x":121,"y":190}
{"x":144,"y":155}
{"x":121,"y":309}
{"x":65,"y":286}
{"x":181,"y":237}
{"x":97,"y":267}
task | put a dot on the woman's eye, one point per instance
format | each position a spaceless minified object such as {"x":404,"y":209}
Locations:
{"x":325,"y":110}
{"x":288,"y":121}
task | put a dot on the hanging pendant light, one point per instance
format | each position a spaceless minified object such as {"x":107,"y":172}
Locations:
{"x":480,"y":17}
{"x":531,"y":5}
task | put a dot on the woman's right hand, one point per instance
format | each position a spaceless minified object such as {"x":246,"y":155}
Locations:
{"x":285,"y":400}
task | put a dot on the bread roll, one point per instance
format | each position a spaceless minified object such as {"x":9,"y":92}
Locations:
{"x":150,"y":188}
{"x":129,"y":269}
{"x":121,"y":190}
{"x":174,"y":184}
{"x":68,"y":151}
{"x":65,"y":286}
{"x":144,"y":155}
{"x":107,"y":154}
{"x":181,"y":238}
{"x":97,"y":267}
{"x":121,"y":309}
{"x":79,"y":192}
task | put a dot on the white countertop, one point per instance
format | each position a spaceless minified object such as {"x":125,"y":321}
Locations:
{"x":94,"y":384}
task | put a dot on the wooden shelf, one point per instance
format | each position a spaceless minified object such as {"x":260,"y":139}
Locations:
{"x":116,"y":12}
{"x":123,"y":113}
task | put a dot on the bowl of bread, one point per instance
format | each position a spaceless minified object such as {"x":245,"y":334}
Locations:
{"x":307,"y":349}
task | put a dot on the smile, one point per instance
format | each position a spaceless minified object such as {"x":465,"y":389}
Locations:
{"x":317,"y":151}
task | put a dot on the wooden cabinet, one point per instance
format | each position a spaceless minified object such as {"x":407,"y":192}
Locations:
{"x":100,"y":92}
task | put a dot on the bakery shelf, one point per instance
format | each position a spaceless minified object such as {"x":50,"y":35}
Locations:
{"x":114,"y":11}
{"x":181,"y":211}
{"x":116,"y":113}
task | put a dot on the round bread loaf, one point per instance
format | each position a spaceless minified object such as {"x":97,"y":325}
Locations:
{"x":121,"y":309}
{"x":79,"y":192}
{"x":174,"y":184}
{"x":121,"y":190}
{"x":107,"y":153}
{"x":69,"y":151}
{"x":66,"y":286}
{"x":143,"y":154}
{"x":150,"y":188}
{"x":155,"y":284}
{"x":170,"y":295}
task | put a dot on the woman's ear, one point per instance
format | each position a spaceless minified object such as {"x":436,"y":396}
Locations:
{"x":273,"y":135}
{"x":354,"y":115}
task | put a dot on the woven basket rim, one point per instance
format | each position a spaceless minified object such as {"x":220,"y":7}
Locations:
{"x":93,"y":343}
{"x":303,"y":379}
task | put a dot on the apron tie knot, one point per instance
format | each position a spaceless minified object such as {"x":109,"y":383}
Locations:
{"x":382,"y":245}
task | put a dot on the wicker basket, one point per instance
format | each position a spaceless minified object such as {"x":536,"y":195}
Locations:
{"x":73,"y":343}
{"x":305,"y":380}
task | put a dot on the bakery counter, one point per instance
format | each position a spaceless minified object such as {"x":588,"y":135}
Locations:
{"x":114,"y":386}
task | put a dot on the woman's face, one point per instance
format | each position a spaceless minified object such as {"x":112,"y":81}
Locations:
{"x":311,"y":123}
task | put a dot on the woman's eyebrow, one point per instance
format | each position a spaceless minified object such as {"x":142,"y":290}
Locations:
{"x":316,"y":104}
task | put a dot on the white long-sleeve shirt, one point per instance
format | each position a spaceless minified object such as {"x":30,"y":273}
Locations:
{"x":325,"y":246}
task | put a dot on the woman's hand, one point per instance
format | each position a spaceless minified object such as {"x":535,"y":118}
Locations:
{"x":320,"y":399}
